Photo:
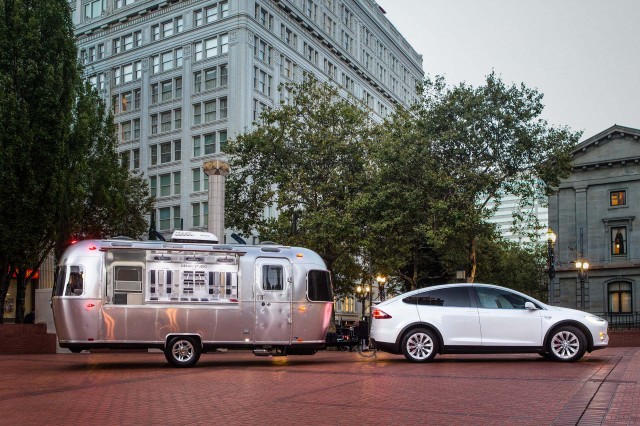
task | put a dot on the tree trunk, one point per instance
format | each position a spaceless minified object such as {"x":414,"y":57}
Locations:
{"x":472,"y":260}
{"x":20,"y":294}
{"x":5,"y":282}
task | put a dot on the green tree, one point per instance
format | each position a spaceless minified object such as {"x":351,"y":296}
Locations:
{"x":493,"y":141}
{"x":441,"y":163}
{"x":306,"y":160}
{"x":520,"y":267}
{"x":57,"y":170}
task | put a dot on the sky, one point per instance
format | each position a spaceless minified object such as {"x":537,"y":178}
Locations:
{"x":583,"y":55}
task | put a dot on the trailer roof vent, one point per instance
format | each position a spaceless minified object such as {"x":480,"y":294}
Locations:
{"x":194,"y":237}
{"x":270,"y":249}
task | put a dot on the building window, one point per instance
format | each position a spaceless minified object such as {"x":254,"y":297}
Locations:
{"x":154,"y":124}
{"x":153,"y":183}
{"x":197,"y":18}
{"x":196,"y":146}
{"x":93,"y":9}
{"x":209,"y":111}
{"x":224,"y":73}
{"x":197,"y":81}
{"x":167,"y":90}
{"x":177,"y":119}
{"x":222,"y":137}
{"x":165,"y":185}
{"x":619,"y":240}
{"x":210,"y":78}
{"x":620,"y":297}
{"x":165,"y":218}
{"x":136,"y":128}
{"x":177,"y":220}
{"x":176,"y":183}
{"x":195,"y":173}
{"x":223,"y":107}
{"x":125,"y":131}
{"x":154,"y":93}
{"x":136,"y":98}
{"x":165,"y":152}
{"x":136,"y":159}
{"x":195,"y":218}
{"x":154,"y":156}
{"x":165,"y":121}
{"x":197,"y":113}
{"x":177,"y":150}
{"x":210,"y":144}
{"x":178,"y":85}
{"x":618,"y":198}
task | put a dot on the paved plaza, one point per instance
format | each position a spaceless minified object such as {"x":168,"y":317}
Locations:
{"x":327,"y":388}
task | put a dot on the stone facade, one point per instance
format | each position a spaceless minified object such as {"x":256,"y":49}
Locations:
{"x":183,"y":76}
{"x":595,"y":216}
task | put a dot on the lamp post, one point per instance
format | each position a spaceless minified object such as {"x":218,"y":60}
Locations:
{"x":582,"y":266}
{"x":551,"y":259}
{"x":363,"y":291}
{"x":381,"y":281}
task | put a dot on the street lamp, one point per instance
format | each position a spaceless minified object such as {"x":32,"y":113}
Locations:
{"x":551,"y":260}
{"x":363,"y":291}
{"x":381,"y":281}
{"x":582,"y":266}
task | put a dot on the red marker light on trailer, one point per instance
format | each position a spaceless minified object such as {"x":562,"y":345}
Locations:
{"x":380,"y":314}
{"x":92,"y":247}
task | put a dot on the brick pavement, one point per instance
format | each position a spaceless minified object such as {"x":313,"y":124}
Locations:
{"x":327,"y":388}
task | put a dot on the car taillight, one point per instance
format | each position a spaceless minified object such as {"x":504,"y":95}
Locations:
{"x":380,"y":314}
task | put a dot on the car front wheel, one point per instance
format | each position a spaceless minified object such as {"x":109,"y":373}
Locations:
{"x":567,"y":344}
{"x":420,"y":345}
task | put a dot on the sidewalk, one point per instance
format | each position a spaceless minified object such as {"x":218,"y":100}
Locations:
{"x":330,"y":387}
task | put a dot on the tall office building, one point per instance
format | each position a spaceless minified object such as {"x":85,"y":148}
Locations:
{"x":183,"y":76}
{"x":503,"y":218}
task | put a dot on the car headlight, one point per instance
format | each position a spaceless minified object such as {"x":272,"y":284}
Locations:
{"x":595,"y":320}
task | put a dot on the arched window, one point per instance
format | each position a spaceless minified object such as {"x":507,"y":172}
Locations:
{"x":620,"y":297}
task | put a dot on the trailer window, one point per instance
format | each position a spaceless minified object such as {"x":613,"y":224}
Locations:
{"x":75,"y":283}
{"x":128,"y":279}
{"x":319,"y":286}
{"x":272,"y":278}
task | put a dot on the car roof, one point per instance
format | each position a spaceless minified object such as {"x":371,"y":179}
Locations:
{"x":439,"y":286}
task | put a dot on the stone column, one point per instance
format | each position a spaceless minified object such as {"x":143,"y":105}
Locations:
{"x":217,"y":170}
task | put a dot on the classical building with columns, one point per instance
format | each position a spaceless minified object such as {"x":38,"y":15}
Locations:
{"x":595,"y":215}
{"x":181,"y":77}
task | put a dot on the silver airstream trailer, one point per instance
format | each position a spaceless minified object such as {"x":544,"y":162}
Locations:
{"x":190,"y":296}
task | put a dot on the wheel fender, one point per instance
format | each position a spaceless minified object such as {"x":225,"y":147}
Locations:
{"x":576,"y":324}
{"x":415,"y":325}
{"x":171,"y":336}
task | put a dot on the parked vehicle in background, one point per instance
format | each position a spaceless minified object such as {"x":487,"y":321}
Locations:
{"x":191,"y":296}
{"x":482,"y":318}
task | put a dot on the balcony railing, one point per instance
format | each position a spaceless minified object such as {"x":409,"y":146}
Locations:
{"x":621,"y":321}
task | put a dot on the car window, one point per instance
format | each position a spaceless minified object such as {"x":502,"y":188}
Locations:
{"x":452,"y":297}
{"x":495,"y":298}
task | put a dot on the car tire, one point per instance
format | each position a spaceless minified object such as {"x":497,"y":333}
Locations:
{"x":567,"y":344}
{"x":183,"y":351}
{"x":420,"y":345}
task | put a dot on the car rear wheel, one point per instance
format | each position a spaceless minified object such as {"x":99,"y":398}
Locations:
{"x":420,"y":345}
{"x":567,"y":344}
{"x":182,"y":351}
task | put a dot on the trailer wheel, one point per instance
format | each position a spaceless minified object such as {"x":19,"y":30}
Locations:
{"x":183,"y":351}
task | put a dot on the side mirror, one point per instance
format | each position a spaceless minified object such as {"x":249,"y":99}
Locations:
{"x":530,"y":306}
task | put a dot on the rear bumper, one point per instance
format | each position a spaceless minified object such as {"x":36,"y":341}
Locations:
{"x":392,"y":348}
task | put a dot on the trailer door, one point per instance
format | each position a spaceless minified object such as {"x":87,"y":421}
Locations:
{"x":273,"y":301}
